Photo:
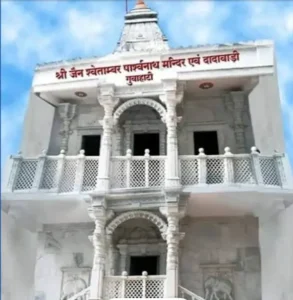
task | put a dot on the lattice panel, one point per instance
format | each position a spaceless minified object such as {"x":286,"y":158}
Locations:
{"x":137,"y":173}
{"x":91,"y":168}
{"x":133,"y":288}
{"x":156,"y":172}
{"x":243,"y":171}
{"x":26,"y":175}
{"x":112,"y":289}
{"x":189,"y":171}
{"x":118,"y":174}
{"x":49,"y":179}
{"x":269,"y":171}
{"x":68,"y":176}
{"x":155,"y":288}
{"x":215,"y":170}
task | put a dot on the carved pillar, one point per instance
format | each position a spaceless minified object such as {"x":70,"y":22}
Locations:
{"x":118,"y":139}
{"x":66,"y":112}
{"x":123,"y":258}
{"x":172,"y":237}
{"x":98,"y":214}
{"x":235,"y":103}
{"x":127,"y":136}
{"x":163,"y":259}
{"x":108,"y":101}
{"x":110,"y":268}
{"x":162,"y":140}
{"x":171,"y":97}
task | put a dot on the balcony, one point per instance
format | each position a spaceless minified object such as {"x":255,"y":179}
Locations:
{"x":78,"y":174}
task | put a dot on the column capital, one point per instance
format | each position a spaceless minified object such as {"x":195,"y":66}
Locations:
{"x":106,"y":97}
{"x":100,"y":212}
{"x":173,"y":91}
{"x":173,"y":210}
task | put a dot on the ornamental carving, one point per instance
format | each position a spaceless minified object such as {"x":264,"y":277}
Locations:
{"x":217,"y":288}
{"x":160,"y":223}
{"x":141,"y":101}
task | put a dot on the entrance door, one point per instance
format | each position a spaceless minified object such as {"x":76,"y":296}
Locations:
{"x":207,"y":140}
{"x":138,"y":264}
{"x":142,"y":141}
{"x":91,"y":145}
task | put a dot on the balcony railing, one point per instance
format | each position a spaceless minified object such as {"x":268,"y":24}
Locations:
{"x":134,"y":287}
{"x":78,"y":174}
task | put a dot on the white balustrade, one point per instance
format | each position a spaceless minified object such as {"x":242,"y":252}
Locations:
{"x":137,"y":171}
{"x":78,"y":174}
{"x":232,"y":169}
{"x":130,"y":287}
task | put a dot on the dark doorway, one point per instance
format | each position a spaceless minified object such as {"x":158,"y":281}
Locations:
{"x":208,"y":140}
{"x":91,"y":145}
{"x":142,"y":141}
{"x":138,"y":264}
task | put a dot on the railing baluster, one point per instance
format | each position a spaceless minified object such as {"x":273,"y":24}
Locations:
{"x":79,"y":172}
{"x":144,"y":283}
{"x":15,"y":168}
{"x":123,"y":284}
{"x":39,"y":171}
{"x":202,"y":167}
{"x":59,"y":171}
{"x":128,"y":167}
{"x":146,"y":161}
{"x":256,"y":166}
{"x":228,"y":167}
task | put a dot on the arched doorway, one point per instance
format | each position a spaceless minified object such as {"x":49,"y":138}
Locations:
{"x":137,"y":238}
{"x":140,"y":126}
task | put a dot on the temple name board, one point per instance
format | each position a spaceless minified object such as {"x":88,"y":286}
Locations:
{"x":147,"y":66}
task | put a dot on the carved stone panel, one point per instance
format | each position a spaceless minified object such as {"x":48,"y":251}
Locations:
{"x":74,"y":280}
{"x":218,"y":282}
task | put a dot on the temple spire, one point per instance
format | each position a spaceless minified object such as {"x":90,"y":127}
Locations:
{"x":140,"y":4}
{"x":141,"y":32}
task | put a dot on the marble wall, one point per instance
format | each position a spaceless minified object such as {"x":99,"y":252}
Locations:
{"x":18,"y":255}
{"x":64,"y":260}
{"x":198,"y":114}
{"x":226,"y":248}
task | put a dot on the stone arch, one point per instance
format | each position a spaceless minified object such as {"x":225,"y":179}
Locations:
{"x":140,"y":101}
{"x":139,"y":214}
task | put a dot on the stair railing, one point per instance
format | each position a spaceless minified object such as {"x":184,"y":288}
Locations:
{"x":183,"y":291}
{"x":82,"y":295}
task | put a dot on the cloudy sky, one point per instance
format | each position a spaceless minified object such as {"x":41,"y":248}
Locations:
{"x":42,"y":31}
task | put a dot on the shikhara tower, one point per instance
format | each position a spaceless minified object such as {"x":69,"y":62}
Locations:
{"x":171,"y":161}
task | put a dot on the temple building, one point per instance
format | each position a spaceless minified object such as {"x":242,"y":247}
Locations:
{"x":153,"y":172}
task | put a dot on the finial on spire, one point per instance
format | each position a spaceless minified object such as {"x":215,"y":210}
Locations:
{"x":140,"y":4}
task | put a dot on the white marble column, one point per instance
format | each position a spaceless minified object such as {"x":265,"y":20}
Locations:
{"x":276,"y":250}
{"x":173,"y":94}
{"x":123,"y":258}
{"x":108,"y":101}
{"x":172,"y":237}
{"x":99,"y":215}
{"x":66,"y":112}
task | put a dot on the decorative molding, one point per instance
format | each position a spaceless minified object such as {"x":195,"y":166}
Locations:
{"x":139,"y":214}
{"x":74,"y":280}
{"x":218,"y":281}
{"x":140,"y":101}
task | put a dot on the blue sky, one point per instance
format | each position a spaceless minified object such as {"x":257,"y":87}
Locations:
{"x":42,"y":31}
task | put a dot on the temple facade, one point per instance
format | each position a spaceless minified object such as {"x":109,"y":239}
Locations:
{"x":152,"y":172}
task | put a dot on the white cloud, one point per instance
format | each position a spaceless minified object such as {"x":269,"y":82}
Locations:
{"x":12,"y":117}
{"x":29,"y":40}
